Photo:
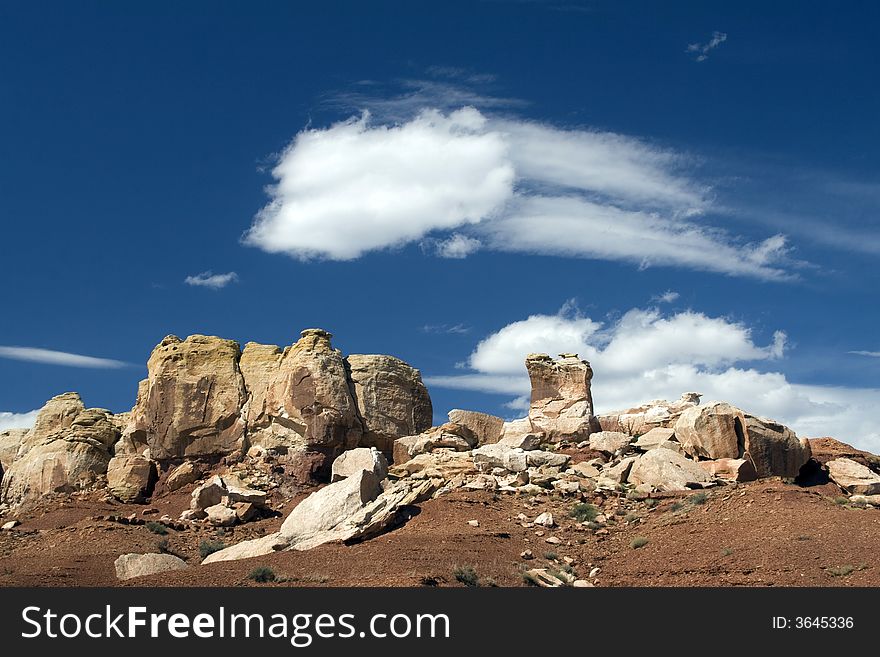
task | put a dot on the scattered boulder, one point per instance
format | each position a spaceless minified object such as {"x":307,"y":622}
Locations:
{"x":131,"y":478}
{"x":561,"y":401}
{"x":138,"y":565}
{"x":732,"y":469}
{"x":391,"y":398}
{"x":227,"y":491}
{"x":774,"y":449}
{"x":545,"y":520}
{"x":641,"y":419}
{"x":485,"y":428}
{"x":654,"y":438}
{"x":853,"y":477}
{"x":443,"y":465}
{"x":713,"y":431}
{"x":183,"y":475}
{"x":446,"y":436}
{"x":360,"y":458}
{"x":665,"y":470}
{"x":614,"y":474}
{"x":323,"y":510}
{"x":609,"y":442}
{"x":221,"y":515}
{"x":525,"y":441}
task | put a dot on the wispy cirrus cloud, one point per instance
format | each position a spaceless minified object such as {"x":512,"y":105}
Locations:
{"x":456,"y":329}
{"x":211,"y":280}
{"x":51,"y":357}
{"x":870,"y":354}
{"x":701,"y":50}
{"x":467,"y":180}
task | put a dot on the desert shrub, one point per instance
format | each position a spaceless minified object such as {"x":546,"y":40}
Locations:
{"x":637,"y":542}
{"x":651,"y":502}
{"x":726,"y":552}
{"x":584,"y":512}
{"x":676,"y":506}
{"x":631,"y":517}
{"x":530,"y":580}
{"x":210,"y":547}
{"x":551,"y":556}
{"x":262,"y":574}
{"x":841,"y":500}
{"x":841,"y":571}
{"x":467,"y":576}
{"x":698,"y":498}
{"x":157,"y":528}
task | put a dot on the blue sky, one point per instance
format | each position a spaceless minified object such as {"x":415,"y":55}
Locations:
{"x":686,"y":193}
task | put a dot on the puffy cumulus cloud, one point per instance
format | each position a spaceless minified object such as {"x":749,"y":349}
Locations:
{"x":211,"y":280}
{"x":51,"y":357}
{"x":647,"y":355}
{"x":355,"y":187}
{"x":465,"y":180}
{"x":17,"y":420}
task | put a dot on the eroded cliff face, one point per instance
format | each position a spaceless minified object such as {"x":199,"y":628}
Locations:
{"x":190,"y":403}
{"x":391,"y":398}
{"x":205,"y":398}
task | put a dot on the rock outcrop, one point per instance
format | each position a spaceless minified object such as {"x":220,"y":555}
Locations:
{"x":205,"y":398}
{"x":67,"y":450}
{"x":446,"y":436}
{"x":712,"y":431}
{"x":190,"y":404}
{"x":653,"y":414}
{"x":391,"y":399}
{"x":485,"y":428}
{"x":774,"y":449}
{"x":853,"y":477}
{"x":301,"y":397}
{"x":561,"y":402}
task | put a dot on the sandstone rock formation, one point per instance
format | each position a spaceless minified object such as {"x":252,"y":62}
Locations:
{"x":448,"y":436}
{"x":361,"y":458}
{"x":665,"y":470}
{"x":485,"y":428}
{"x":131,"y":478}
{"x":713,"y":431}
{"x":183,"y":475}
{"x":300,"y":397}
{"x":561,"y":401}
{"x":853,"y":477}
{"x":391,"y":399}
{"x":190,"y":403}
{"x":609,"y":442}
{"x":10,"y":442}
{"x":774,"y":449}
{"x":205,"y":398}
{"x":136,"y":565}
{"x":66,"y":450}
{"x":641,"y":419}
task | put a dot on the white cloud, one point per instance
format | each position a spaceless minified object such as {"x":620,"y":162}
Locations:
{"x":670,"y":296}
{"x":702,"y":50}
{"x":211,"y":280}
{"x":458,"y":246}
{"x":871,"y":354}
{"x":17,"y":420}
{"x":456,"y":329}
{"x":50,"y":357}
{"x":354,"y":188}
{"x":648,"y":355}
{"x":462,"y":181}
